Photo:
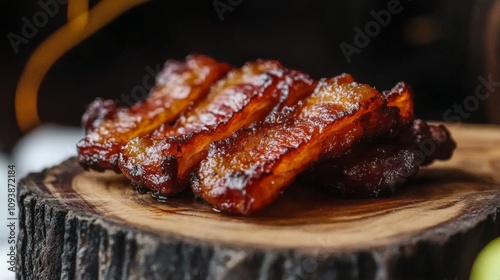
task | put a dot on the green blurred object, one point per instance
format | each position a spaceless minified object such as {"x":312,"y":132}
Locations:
{"x":487,"y":264}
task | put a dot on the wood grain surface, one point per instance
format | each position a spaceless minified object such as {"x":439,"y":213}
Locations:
{"x":85,"y":225}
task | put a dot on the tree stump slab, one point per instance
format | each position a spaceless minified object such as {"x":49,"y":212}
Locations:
{"x":76,"y":224}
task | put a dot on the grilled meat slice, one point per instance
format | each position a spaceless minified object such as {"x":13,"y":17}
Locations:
{"x":108,"y":128}
{"x":162,"y":162}
{"x":379,"y":166}
{"x":248,"y":171}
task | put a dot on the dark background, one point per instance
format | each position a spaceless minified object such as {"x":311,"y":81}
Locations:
{"x":436,"y":46}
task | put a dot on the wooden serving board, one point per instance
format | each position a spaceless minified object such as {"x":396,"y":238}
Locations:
{"x":89,"y":225}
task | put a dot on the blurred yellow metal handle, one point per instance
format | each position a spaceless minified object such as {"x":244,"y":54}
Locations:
{"x":81,"y":24}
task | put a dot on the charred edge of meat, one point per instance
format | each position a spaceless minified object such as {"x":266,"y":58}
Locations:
{"x":281,"y":86}
{"x":250,"y":185}
{"x":108,"y":128}
{"x":377,"y":166}
{"x":97,"y":112}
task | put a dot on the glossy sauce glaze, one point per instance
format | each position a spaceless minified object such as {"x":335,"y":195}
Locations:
{"x":108,"y":128}
{"x":163,"y":161}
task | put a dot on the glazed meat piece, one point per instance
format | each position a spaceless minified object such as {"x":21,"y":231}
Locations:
{"x":398,"y":115}
{"x":162,"y":162}
{"x":401,"y":97}
{"x":240,"y":137}
{"x":368,"y":169}
{"x":378,"y":166}
{"x":433,"y":142}
{"x":248,"y":171}
{"x":98,"y":111}
{"x":108,"y":128}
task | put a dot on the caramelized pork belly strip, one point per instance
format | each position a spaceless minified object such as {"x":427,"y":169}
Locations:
{"x":433,"y":142}
{"x":394,"y":118}
{"x":373,"y":166}
{"x":246,"y":95}
{"x":98,"y":111}
{"x":367,"y":170}
{"x":248,"y":171}
{"x":177,"y":86}
{"x":401,"y":97}
{"x":379,"y":166}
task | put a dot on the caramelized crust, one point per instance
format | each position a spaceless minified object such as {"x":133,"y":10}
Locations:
{"x":401,"y":97}
{"x":242,"y":139}
{"x":98,"y":111}
{"x":368,"y":169}
{"x":162,"y":163}
{"x":378,"y":166}
{"x":109,"y":128}
{"x":433,"y":142}
{"x":244,"y":173}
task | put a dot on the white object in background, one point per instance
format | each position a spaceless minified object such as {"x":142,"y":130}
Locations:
{"x":44,"y":147}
